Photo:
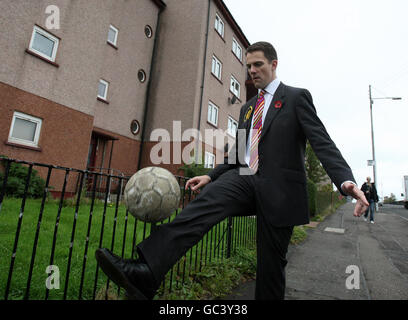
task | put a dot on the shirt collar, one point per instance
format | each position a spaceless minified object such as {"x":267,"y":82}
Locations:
{"x":271,"y":87}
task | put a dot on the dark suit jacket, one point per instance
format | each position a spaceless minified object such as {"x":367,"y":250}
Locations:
{"x":281,"y":179}
{"x":370,"y":192}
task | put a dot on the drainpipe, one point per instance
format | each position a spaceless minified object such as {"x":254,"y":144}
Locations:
{"x":147,"y":97}
{"x":202,"y":81}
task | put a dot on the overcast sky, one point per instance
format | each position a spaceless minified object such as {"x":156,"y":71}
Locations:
{"x":336,"y":49}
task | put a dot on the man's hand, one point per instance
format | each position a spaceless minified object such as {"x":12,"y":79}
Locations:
{"x":356,"y":193}
{"x":197,"y":182}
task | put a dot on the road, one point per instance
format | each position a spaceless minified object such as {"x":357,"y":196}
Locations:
{"x":317,"y":269}
{"x":375,"y":256}
{"x":396,"y":209}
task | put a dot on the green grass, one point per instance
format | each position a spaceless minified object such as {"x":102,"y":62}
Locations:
{"x":206,"y":274}
{"x":299,"y":235}
{"x":215,"y":280}
{"x":9,"y":220}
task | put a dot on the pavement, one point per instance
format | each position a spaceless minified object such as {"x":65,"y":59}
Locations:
{"x":347,"y":258}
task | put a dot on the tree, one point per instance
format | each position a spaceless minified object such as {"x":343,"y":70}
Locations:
{"x":314,"y":169}
{"x":390,"y":199}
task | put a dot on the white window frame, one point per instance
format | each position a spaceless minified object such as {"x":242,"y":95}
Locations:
{"x":106,"y":91}
{"x":219,"y":25}
{"x":209,"y":160}
{"x":116,"y":35}
{"x":237,"y":49}
{"x":230,"y":127}
{"x":212,"y":109}
{"x":26,"y":117}
{"x":233,"y":88}
{"x":215,"y":63}
{"x":48,"y":35}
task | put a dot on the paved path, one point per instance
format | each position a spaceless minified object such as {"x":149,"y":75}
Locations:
{"x":377,"y":255}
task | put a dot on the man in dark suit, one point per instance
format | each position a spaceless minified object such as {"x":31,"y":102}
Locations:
{"x":264,"y":173}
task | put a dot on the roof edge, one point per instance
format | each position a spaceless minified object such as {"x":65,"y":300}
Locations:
{"x":227,"y":14}
{"x":159,"y":3}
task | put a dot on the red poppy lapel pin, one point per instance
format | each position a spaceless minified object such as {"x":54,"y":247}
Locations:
{"x":278,"y":104}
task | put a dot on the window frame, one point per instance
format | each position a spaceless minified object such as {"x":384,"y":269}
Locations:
{"x":208,"y":156}
{"x":237,"y":45}
{"x":106,"y":91}
{"x":218,"y":22}
{"x":214,"y":58}
{"x":48,"y":35}
{"x":232,"y":88}
{"x":213,"y":107}
{"x":232,"y":120}
{"x":150,"y":35}
{"x":115,"y":43}
{"x":30,"y":118}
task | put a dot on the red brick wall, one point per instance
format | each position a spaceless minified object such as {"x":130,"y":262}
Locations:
{"x":64,"y":138}
{"x":125,"y":153}
{"x":65,"y":133}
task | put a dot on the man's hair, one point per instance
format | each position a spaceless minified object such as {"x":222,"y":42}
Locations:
{"x":268,"y":50}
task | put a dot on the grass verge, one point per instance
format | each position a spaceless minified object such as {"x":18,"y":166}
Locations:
{"x":215,"y":280}
{"x":219,"y":278}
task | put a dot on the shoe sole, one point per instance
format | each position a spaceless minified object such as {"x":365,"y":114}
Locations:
{"x":118,"y":277}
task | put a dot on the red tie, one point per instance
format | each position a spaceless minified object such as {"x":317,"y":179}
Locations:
{"x":256,"y":131}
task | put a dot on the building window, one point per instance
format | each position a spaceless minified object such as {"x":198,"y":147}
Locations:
{"x":216,"y":67}
{"x":219,"y":25}
{"x":232,"y":127}
{"x":25,"y":129}
{"x":113,"y":35}
{"x":103,"y":89}
{"x":148,"y":31}
{"x":135,"y":127}
{"x":212,"y":114}
{"x":236,"y":48}
{"x":44,"y":44}
{"x":209,"y":160}
{"x":235,"y":87}
{"x":141,"y":75}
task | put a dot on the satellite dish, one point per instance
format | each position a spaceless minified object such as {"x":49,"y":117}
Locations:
{"x":233,"y":99}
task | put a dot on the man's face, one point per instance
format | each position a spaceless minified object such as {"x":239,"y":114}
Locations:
{"x":260,"y":69}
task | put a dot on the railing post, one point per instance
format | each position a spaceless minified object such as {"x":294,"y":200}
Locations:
{"x":3,"y":189}
{"x":331,"y":201}
{"x":229,"y":236}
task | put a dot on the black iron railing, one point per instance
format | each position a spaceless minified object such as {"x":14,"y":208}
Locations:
{"x":48,"y":237}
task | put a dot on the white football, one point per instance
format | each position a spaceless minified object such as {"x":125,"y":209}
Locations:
{"x":152,"y":194}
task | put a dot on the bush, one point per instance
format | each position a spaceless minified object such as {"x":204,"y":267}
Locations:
{"x":192,"y":170}
{"x":299,"y":234}
{"x":311,"y":192}
{"x":16,"y":181}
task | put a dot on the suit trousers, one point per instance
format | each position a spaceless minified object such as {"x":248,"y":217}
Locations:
{"x":231,"y":194}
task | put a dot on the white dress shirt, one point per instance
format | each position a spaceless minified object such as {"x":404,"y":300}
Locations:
{"x":268,"y":96}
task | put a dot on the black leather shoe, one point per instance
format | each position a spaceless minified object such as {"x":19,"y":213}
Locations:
{"x":132,"y":275}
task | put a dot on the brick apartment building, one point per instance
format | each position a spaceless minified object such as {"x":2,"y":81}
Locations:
{"x":91,"y":93}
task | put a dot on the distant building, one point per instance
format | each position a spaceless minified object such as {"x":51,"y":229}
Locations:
{"x":199,"y":69}
{"x":89,"y":94}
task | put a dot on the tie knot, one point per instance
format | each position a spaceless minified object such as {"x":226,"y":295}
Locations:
{"x":261,"y":93}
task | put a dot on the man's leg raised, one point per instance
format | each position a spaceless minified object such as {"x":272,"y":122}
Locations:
{"x":231,"y":194}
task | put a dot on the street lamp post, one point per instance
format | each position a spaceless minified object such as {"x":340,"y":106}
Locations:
{"x":372,"y":131}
